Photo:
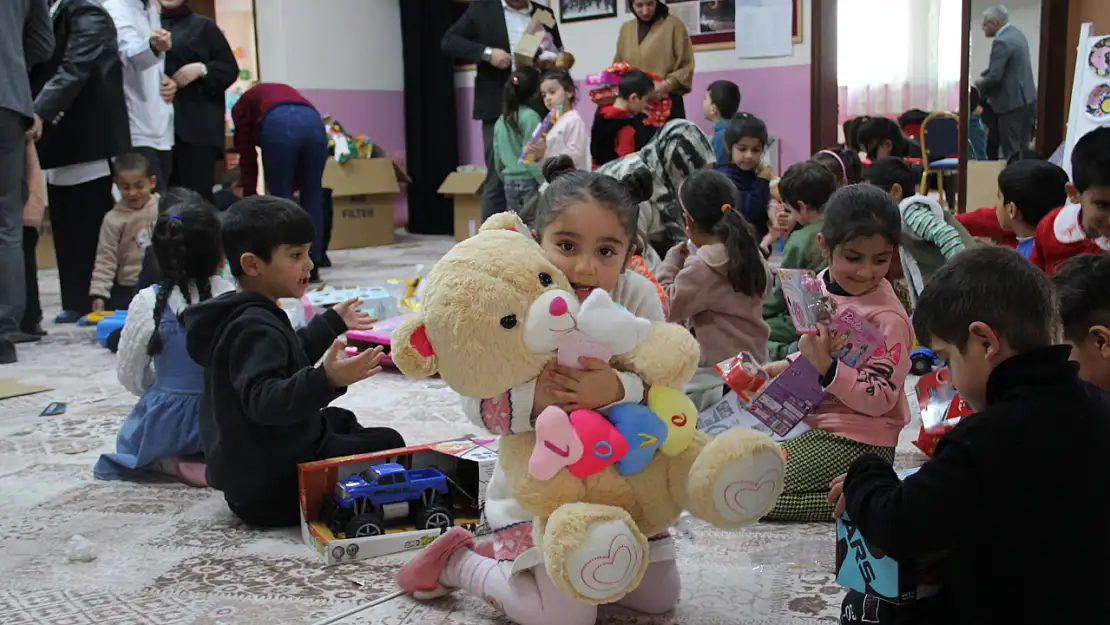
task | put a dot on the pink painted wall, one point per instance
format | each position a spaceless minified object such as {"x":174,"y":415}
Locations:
{"x":778,"y":95}
{"x":377,"y":114}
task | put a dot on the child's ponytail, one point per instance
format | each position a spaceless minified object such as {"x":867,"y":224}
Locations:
{"x":521,"y":88}
{"x":186,"y":242}
{"x":712,"y":203}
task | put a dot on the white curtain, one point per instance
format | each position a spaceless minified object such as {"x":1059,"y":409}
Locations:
{"x":896,"y":55}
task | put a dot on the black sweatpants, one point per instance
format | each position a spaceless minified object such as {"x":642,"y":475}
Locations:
{"x":193,"y":167}
{"x":281,"y":506}
{"x":32,"y":311}
{"x":75,"y":216}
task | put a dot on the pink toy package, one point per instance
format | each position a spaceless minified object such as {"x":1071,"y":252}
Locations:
{"x":805,"y":300}
{"x":379,"y":334}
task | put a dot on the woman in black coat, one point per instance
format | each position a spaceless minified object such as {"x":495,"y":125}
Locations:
{"x":203,"y":66}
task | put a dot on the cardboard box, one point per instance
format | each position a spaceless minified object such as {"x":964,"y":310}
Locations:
{"x":525,"y":51}
{"x":466,"y":463}
{"x":363,"y":176}
{"x":465,"y":189}
{"x":982,"y":183}
{"x":364,"y":191}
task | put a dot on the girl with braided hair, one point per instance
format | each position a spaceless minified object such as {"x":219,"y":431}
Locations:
{"x":161,"y":431}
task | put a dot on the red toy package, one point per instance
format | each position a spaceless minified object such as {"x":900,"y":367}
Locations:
{"x":941,"y":409}
{"x":743,"y":375}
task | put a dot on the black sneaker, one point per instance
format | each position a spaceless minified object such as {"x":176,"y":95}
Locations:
{"x":24,"y":337}
{"x":35,"y":329}
{"x":314,"y":276}
{"x":7,"y":352}
{"x":325,"y":262}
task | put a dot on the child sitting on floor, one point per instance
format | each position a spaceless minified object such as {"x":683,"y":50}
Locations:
{"x":511,"y":133}
{"x":746,"y":138}
{"x":716,"y":281}
{"x":265,"y":404}
{"x":230,"y":191}
{"x":1081,"y":226}
{"x":1027,"y":191}
{"x":865,"y":407}
{"x":124,"y":235}
{"x":843,"y":163}
{"x":618,"y":128}
{"x":982,"y":223}
{"x":161,"y":431}
{"x":722,"y":100}
{"x":805,"y":188}
{"x":1081,"y":285}
{"x":932,"y":235}
{"x":1036,"y":446}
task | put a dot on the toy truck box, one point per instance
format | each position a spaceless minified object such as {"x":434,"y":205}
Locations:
{"x":359,"y":507}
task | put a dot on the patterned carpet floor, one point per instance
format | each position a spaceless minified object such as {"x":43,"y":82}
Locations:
{"x":168,"y":554}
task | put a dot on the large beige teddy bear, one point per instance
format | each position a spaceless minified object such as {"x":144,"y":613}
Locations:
{"x":592,"y":531}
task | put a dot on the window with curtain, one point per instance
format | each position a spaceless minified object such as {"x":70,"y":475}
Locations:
{"x":897,"y":55}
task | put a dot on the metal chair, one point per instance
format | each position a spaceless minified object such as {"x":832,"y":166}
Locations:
{"x":940,"y":143}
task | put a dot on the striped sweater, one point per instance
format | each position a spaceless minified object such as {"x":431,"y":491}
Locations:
{"x":920,"y":217}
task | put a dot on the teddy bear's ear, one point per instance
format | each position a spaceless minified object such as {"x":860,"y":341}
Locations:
{"x":506,"y":221}
{"x":411,"y":350}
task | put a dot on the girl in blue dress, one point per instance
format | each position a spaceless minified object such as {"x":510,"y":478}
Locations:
{"x":161,"y":431}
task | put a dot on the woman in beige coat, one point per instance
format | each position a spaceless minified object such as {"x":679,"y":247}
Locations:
{"x":657,"y":42}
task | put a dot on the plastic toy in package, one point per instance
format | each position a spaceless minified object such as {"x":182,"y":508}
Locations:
{"x":540,"y":134}
{"x":805,"y":299}
{"x":941,"y":409}
{"x":743,"y":375}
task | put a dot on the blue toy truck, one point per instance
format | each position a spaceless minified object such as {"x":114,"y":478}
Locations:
{"x":365,"y":503}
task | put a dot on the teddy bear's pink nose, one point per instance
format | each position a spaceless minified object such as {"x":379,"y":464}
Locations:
{"x":558,"y":307}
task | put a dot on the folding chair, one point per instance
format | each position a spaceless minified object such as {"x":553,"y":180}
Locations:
{"x":940,"y":141}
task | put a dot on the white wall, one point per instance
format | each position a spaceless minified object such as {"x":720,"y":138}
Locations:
{"x":1024,"y":14}
{"x":593,"y":43}
{"x":331,"y":44}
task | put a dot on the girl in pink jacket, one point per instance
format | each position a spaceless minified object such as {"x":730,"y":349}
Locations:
{"x":865,"y":406}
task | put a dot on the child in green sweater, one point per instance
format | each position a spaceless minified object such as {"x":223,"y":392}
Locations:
{"x":805,"y":187}
{"x":513,"y":130}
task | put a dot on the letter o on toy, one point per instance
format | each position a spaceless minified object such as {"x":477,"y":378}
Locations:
{"x":603,"y":450}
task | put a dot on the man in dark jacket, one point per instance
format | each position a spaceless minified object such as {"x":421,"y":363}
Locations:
{"x":486,"y":35}
{"x":203,"y":66}
{"x":25,"y":39}
{"x":79,"y":97}
{"x":1014,"y":498}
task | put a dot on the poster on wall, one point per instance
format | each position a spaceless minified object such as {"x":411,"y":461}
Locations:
{"x":582,"y":10}
{"x":712,"y":23}
{"x":1090,"y":95}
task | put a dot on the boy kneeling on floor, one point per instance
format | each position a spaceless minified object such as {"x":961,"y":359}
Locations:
{"x":265,"y":404}
{"x":1015,"y":492}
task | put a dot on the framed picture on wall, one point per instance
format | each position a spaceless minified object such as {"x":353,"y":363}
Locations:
{"x":712,"y":23}
{"x":582,"y":10}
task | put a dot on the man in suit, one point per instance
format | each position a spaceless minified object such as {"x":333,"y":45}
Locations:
{"x":25,"y":39}
{"x":1007,"y":83}
{"x":486,"y":35}
{"x":79,"y":98}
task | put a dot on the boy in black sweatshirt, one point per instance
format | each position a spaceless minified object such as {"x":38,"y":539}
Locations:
{"x":1085,"y":314}
{"x":1015,"y":496}
{"x":265,"y":405}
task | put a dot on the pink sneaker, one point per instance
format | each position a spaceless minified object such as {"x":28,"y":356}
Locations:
{"x":420,"y":577}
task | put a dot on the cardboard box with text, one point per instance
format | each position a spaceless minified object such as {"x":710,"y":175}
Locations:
{"x":465,"y":190}
{"x":364,"y":191}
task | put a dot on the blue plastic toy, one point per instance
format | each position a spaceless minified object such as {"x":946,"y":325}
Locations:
{"x":110,"y":323}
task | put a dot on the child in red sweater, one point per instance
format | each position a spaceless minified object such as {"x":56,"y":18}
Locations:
{"x":983,"y":223}
{"x":1082,"y":225}
{"x":618,"y":129}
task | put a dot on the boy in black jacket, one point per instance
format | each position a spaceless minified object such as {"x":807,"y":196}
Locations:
{"x":264,"y":408}
{"x":1085,"y":313}
{"x":1015,"y":495}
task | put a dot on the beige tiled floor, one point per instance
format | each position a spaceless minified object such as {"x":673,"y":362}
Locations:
{"x":169,"y":554}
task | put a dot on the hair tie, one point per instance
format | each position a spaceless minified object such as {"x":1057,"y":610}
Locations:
{"x":175,"y":217}
{"x":726,"y":208}
{"x":843,"y":169}
{"x":516,"y":80}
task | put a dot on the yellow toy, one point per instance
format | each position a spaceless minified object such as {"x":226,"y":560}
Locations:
{"x":470,"y":329}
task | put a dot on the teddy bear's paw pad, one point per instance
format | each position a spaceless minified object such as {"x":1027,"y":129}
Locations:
{"x":607,"y":562}
{"x":746,"y":489}
{"x":678,"y":414}
{"x":644,"y":432}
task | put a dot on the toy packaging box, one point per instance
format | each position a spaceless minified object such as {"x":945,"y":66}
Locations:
{"x":732,"y":412}
{"x":863,"y":567}
{"x":784,"y":402}
{"x":379,"y":334}
{"x":377,"y":301}
{"x":941,"y":409}
{"x":359,"y":507}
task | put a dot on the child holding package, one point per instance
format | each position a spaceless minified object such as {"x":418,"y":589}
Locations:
{"x":1082,"y":226}
{"x":746,"y":138}
{"x":585,"y":223}
{"x":618,"y":128}
{"x":1081,"y":285}
{"x":716,"y":281}
{"x":1035,"y":449}
{"x":511,"y":133}
{"x":265,"y":406}
{"x":931,"y":234}
{"x":805,"y":188}
{"x":570,"y":135}
{"x":722,"y":100}
{"x":124,"y":235}
{"x":865,"y":407}
{"x":1027,"y":191}
{"x":161,"y":431}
